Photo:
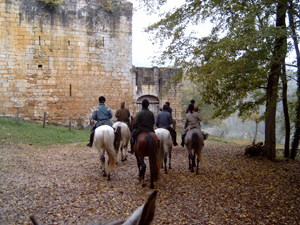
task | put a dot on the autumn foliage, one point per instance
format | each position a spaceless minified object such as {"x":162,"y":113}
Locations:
{"x":63,"y":185}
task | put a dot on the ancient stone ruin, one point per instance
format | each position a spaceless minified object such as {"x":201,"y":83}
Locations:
{"x":60,"y":61}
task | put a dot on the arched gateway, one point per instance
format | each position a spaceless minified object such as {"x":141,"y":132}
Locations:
{"x":153,"y":106}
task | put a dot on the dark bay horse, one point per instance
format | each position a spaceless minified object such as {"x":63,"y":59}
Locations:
{"x":146,"y":144}
{"x":194,"y":140}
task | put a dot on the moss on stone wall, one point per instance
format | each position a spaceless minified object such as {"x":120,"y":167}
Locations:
{"x":52,"y":4}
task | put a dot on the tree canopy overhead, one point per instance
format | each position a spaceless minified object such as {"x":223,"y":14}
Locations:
{"x":239,"y":63}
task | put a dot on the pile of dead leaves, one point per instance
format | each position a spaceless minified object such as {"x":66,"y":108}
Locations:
{"x":63,"y":185}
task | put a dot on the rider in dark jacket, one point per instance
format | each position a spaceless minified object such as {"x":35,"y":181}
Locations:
{"x":144,"y":121}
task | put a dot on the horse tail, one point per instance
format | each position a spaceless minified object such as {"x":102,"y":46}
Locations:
{"x":110,"y":149}
{"x":152,"y":148}
{"x":195,"y":142}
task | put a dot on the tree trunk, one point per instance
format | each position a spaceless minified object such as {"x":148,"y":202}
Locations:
{"x":256,"y":131}
{"x":285,"y":104}
{"x":272,"y":87}
{"x":286,"y":114}
{"x":296,"y":137}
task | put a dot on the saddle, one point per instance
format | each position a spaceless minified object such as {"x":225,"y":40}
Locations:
{"x":164,"y":128}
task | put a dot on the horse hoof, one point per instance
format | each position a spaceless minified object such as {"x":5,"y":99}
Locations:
{"x":104,"y":175}
{"x":108,"y":179}
{"x":166,"y":172}
{"x":152,"y":186}
{"x":143,"y":185}
{"x":197,"y":173}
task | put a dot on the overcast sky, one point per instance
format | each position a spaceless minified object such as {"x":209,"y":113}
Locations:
{"x":142,"y":47}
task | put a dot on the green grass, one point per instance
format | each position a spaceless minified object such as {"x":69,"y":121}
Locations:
{"x":33,"y":133}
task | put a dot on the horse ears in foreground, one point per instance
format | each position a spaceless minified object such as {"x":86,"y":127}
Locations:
{"x":142,"y":216}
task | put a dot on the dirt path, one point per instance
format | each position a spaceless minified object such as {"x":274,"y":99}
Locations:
{"x":63,"y":185}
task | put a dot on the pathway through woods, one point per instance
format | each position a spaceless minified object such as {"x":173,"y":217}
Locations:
{"x":62,"y":185}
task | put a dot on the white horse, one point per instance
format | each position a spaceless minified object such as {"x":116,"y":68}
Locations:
{"x":125,"y":137}
{"x":165,"y":145}
{"x":105,"y":140}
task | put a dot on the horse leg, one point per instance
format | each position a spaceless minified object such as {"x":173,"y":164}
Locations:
{"x":143,"y":169}
{"x":197,"y":167}
{"x":139,"y":165}
{"x":189,"y":162}
{"x":193,"y":163}
{"x":122,"y":156}
{"x":170,"y":156}
{"x":165,"y":162}
{"x":125,"y":150}
{"x":194,"y":158}
{"x":102,"y":165}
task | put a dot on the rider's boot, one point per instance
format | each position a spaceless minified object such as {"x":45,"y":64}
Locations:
{"x":182,"y":139}
{"x":90,"y":144}
{"x":131,"y":146}
{"x":175,"y":142}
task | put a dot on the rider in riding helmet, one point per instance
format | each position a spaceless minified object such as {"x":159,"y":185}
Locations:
{"x":102,"y":114}
{"x":144,"y":121}
{"x":164,"y":119}
{"x":192,"y":120}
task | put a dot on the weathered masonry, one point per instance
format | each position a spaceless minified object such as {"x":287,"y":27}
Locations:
{"x":156,"y":85}
{"x":61,"y":61}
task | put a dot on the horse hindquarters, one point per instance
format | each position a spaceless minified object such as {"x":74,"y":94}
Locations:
{"x":104,"y":142}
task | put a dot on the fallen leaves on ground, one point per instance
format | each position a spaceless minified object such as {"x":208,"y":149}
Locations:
{"x":63,"y":185}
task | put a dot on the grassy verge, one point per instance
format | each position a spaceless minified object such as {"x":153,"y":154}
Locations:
{"x":32,"y":133}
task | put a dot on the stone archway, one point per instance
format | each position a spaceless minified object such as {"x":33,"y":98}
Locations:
{"x":153,"y":106}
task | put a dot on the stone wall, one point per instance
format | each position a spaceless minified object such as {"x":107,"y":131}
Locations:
{"x":61,"y":61}
{"x":157,"y":86}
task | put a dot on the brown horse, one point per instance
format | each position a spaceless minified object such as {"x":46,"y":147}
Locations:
{"x":194,"y":140}
{"x":146,"y":144}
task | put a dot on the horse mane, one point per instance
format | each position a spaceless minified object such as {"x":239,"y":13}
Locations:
{"x":152,"y":157}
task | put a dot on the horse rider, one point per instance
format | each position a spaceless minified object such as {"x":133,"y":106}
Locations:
{"x":192,"y":120}
{"x":169,"y":108}
{"x":187,"y":108}
{"x":102,"y":114}
{"x":164,"y":120}
{"x":144,"y":121}
{"x":122,"y":114}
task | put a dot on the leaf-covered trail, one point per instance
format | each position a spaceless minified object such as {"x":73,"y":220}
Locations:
{"x":63,"y":185}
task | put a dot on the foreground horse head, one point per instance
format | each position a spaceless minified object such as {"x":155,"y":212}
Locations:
{"x":142,"y":216}
{"x":124,"y":138}
{"x":165,"y":145}
{"x":194,"y":140}
{"x":105,"y":141}
{"x":147,"y":145}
